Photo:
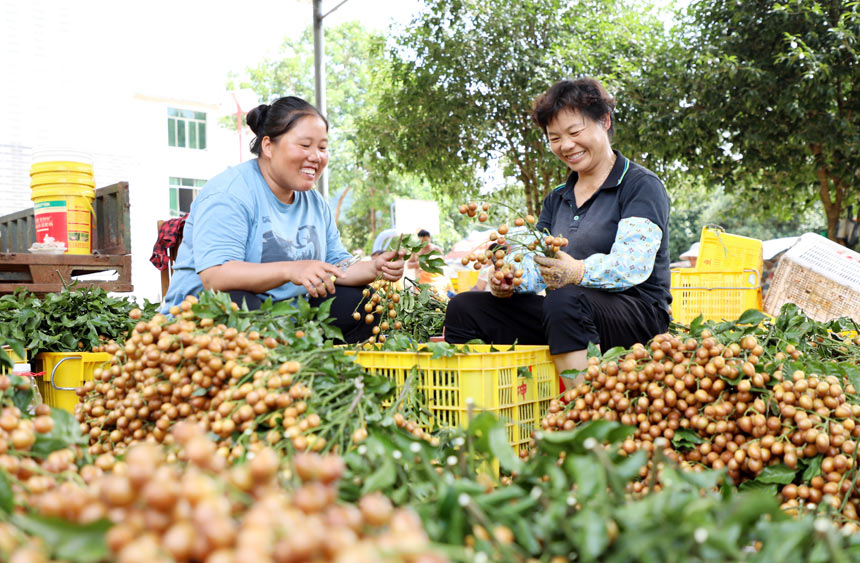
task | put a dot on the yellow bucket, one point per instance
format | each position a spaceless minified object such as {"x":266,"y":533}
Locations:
{"x":75,"y":179}
{"x":64,"y":211}
{"x":62,"y":166}
{"x":64,"y":372}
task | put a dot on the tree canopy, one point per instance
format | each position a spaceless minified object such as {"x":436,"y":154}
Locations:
{"x":752,"y":105}
{"x":362,"y":189}
{"x":464,"y":75}
{"x":760,"y":97}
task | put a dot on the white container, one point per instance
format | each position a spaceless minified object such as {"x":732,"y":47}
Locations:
{"x":819,"y":276}
{"x":60,"y":154}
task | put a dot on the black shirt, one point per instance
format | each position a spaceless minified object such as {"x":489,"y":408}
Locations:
{"x":630,"y":190}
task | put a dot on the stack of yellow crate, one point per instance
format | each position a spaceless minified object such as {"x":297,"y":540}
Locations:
{"x":725,"y":282}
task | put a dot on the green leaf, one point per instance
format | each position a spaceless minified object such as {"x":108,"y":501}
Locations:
{"x":480,"y":428}
{"x":383,"y":478}
{"x":591,"y":533}
{"x":696,"y":326}
{"x":79,"y":543}
{"x":572,"y":373}
{"x":66,"y":432}
{"x":441,"y":349}
{"x":499,"y":447}
{"x":686,"y":439}
{"x":593,"y":350}
{"x":813,"y":469}
{"x":756,"y":485}
{"x":283,"y":308}
{"x":751,"y":317}
{"x":7,"y":498}
{"x":589,"y":475}
{"x":21,"y":398}
{"x":601,"y":430}
{"x":629,"y":466}
{"x":779,"y":474}
{"x":614,"y":353}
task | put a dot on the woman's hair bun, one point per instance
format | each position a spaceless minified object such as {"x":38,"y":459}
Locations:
{"x":256,"y":117}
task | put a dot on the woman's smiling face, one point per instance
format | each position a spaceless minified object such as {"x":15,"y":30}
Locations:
{"x":578,"y":141}
{"x":299,"y":156}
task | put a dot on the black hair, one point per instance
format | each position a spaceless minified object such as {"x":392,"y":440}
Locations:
{"x":276,"y":119}
{"x":423,"y":233}
{"x":586,"y":95}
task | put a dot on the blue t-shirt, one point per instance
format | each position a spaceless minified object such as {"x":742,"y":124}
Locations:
{"x":236,"y":217}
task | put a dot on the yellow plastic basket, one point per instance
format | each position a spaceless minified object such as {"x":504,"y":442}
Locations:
{"x":16,"y":359}
{"x":466,"y":280}
{"x":722,"y":252}
{"x":515,"y":385}
{"x":64,"y":373}
{"x":714,"y":295}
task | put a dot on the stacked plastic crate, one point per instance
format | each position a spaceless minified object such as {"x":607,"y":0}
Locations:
{"x":725,"y":282}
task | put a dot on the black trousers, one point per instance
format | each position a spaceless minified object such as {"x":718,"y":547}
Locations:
{"x":346,"y":300}
{"x":567,"y":319}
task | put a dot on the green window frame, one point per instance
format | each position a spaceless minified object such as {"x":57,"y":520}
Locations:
{"x":182,"y":192}
{"x":186,"y":128}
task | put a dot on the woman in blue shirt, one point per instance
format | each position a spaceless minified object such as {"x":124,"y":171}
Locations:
{"x":610,"y":284}
{"x":260,"y":230}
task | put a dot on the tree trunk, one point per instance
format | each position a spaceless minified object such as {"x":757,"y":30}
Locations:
{"x":831,"y":207}
{"x":339,"y":204}
{"x":372,"y":216}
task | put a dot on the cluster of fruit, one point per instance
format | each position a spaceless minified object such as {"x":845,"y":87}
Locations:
{"x":197,"y":508}
{"x":32,"y":469}
{"x":505,"y":243}
{"x":188,"y":368}
{"x":381,"y":306}
{"x":717,"y":406}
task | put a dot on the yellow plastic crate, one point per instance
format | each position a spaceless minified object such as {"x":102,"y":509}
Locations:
{"x":15,"y":359}
{"x":466,"y":280}
{"x":721,"y":252}
{"x":516,"y":385}
{"x":714,"y":295}
{"x":64,"y":373}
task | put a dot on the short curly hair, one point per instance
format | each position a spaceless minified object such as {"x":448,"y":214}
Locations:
{"x":586,"y":95}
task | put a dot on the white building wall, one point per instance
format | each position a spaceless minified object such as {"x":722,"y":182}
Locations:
{"x":55,"y":93}
{"x":154,"y":162}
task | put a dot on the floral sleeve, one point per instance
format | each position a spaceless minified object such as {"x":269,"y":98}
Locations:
{"x":631,"y":259}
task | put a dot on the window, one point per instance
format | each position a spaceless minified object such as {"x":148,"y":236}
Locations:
{"x":186,"y":128}
{"x":182,"y":193}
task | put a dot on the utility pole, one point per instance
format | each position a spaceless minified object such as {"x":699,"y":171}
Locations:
{"x":319,"y":79}
{"x":319,"y":73}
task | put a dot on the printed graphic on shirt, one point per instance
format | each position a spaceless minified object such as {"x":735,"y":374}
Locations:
{"x":278,"y":248}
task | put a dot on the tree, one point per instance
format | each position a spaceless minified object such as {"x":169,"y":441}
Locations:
{"x":699,"y":206}
{"x":464,"y":75}
{"x":363,"y":186}
{"x":760,"y":97}
{"x":361,"y":190}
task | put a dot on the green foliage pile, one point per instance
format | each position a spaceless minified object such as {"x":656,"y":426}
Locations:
{"x":76,"y":318}
{"x":569,"y":500}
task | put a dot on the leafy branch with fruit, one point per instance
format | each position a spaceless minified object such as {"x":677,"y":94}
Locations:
{"x":717,"y":441}
{"x":509,"y":247}
{"x":414,"y":310}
